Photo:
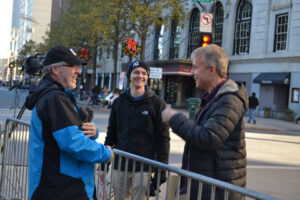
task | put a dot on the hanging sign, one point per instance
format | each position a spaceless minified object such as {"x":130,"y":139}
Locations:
{"x":155,"y":72}
{"x":206,"y":22}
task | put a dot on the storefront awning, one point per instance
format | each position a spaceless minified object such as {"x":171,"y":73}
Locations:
{"x":273,"y":78}
{"x":182,"y":71}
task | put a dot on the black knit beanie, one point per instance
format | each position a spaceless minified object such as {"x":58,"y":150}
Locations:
{"x":136,"y":64}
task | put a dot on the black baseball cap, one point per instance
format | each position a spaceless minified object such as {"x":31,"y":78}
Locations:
{"x":59,"y":53}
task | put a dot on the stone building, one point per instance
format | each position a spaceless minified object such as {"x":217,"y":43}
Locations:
{"x":260,"y":37}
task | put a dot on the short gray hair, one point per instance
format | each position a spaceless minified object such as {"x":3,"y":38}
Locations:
{"x":213,"y":55}
{"x":47,"y":68}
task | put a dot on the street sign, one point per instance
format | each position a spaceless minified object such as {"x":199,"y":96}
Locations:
{"x":155,"y":72}
{"x":206,"y":22}
{"x":203,"y":1}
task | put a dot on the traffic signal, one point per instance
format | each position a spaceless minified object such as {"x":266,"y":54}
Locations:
{"x":205,"y":39}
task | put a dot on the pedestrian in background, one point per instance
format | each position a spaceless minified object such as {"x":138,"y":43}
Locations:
{"x":95,"y":92}
{"x":253,"y":103}
{"x":135,"y":126}
{"x":62,"y":148}
{"x":215,"y":140}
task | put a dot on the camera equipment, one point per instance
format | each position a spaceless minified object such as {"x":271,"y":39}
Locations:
{"x":33,"y":65}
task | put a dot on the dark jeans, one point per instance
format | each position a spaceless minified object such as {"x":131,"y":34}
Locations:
{"x":95,"y":99}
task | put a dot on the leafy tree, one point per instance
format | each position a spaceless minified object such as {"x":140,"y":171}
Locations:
{"x":93,"y":24}
{"x":80,"y":26}
{"x":30,"y":48}
{"x":115,"y":17}
{"x":144,"y":14}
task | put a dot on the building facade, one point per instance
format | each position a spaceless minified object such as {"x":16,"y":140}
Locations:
{"x":260,"y":38}
{"x":30,"y":21}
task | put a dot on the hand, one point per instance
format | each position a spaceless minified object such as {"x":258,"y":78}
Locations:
{"x":167,"y":114}
{"x":153,"y":185}
{"x":112,"y":155}
{"x":89,"y":129}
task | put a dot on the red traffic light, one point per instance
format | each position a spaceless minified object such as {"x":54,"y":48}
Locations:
{"x":204,"y":44}
{"x":205,"y":39}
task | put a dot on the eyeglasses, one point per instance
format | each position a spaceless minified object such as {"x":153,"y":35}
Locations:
{"x":68,"y":66}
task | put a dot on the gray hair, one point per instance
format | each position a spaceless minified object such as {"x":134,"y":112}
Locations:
{"x":213,"y":55}
{"x":47,"y":68}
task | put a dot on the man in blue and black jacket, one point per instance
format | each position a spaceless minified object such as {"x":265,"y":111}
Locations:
{"x":62,"y":148}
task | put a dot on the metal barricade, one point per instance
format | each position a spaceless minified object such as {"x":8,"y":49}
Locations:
{"x":14,"y":159}
{"x":105,"y":184}
{"x":14,"y":170}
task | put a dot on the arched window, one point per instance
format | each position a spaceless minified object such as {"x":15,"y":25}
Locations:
{"x":175,"y":40}
{"x":158,"y":43}
{"x":194,"y":32}
{"x":242,"y":28}
{"x":219,"y":24}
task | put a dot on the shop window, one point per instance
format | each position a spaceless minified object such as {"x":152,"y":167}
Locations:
{"x":155,"y":85}
{"x":171,"y":90}
{"x":175,"y":40}
{"x":194,"y":32}
{"x":219,"y":24}
{"x":281,"y":28}
{"x":242,"y":28}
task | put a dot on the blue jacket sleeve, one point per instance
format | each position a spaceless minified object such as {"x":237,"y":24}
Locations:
{"x":74,"y":142}
{"x":63,"y":120}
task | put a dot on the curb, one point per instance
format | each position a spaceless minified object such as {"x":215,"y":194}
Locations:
{"x":263,"y":129}
{"x":271,"y":129}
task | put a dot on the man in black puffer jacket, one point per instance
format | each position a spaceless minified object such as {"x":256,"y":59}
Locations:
{"x":215,"y":140}
{"x":135,"y":126}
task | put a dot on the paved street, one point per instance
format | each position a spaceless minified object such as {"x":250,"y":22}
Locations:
{"x":273,"y":158}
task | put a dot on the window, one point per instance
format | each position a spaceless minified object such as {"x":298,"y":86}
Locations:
{"x":219,"y":24}
{"x":242,"y":28}
{"x":158,"y":43}
{"x":281,"y":28}
{"x":175,"y":40}
{"x":100,"y":53}
{"x":194,"y":32}
{"x":107,"y":53}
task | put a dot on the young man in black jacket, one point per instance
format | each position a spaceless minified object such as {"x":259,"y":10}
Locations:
{"x":215,"y":140}
{"x":135,"y":126}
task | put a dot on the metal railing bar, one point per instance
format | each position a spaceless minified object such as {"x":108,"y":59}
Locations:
{"x":141,"y":180}
{"x":149,"y":180}
{"x":189,"y":189}
{"x":158,"y":183}
{"x":195,"y":176}
{"x":125,"y":177}
{"x":132,"y":182}
{"x":111,"y":178}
